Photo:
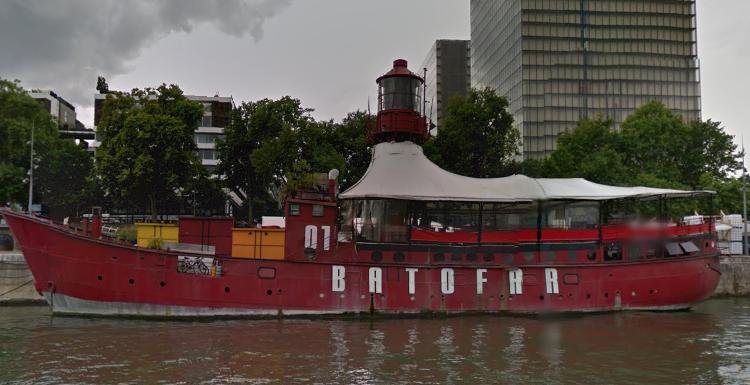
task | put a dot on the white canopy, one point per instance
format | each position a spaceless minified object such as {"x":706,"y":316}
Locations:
{"x":399,"y":170}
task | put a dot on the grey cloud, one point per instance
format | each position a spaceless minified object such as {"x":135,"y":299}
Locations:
{"x":65,"y":45}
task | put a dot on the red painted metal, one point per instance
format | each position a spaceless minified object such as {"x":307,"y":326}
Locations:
{"x":400,"y":69}
{"x":66,"y":265}
{"x":207,"y":231}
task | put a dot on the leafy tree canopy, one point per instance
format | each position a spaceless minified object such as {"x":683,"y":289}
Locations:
{"x":477,"y":137}
{"x":147,"y":155}
{"x":272,"y":147}
{"x":61,"y":167}
{"x":654,"y":148}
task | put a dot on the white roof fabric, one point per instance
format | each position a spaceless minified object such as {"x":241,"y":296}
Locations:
{"x":400,"y":170}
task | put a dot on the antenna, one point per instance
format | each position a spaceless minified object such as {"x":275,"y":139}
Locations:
{"x":424,"y":93}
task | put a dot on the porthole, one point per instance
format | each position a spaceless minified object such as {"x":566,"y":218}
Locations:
{"x":226,"y":289}
{"x":438,"y":257}
{"x":131,"y":281}
{"x":376,"y":256}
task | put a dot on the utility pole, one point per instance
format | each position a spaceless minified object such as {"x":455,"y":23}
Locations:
{"x":31,"y":168}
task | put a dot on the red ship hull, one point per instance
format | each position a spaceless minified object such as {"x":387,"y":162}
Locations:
{"x":81,"y":275}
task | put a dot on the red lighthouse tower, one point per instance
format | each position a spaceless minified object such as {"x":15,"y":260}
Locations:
{"x":400,"y":115}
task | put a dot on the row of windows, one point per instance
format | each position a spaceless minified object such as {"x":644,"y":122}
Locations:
{"x":531,"y":43}
{"x":609,"y":59}
{"x":573,"y":113}
{"x":605,"y":102}
{"x":615,"y":73}
{"x":610,"y":19}
{"x":614,"y":87}
{"x":594,"y":32}
{"x":679,"y":7}
{"x":207,"y":138}
{"x":208,"y":154}
{"x":378,"y":220}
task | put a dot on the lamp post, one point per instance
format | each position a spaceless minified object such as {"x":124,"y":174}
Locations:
{"x":744,"y":201}
{"x":31,"y":167}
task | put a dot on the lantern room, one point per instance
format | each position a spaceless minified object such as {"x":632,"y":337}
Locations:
{"x":400,"y":106}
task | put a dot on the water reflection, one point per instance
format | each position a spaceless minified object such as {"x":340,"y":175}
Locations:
{"x":706,"y":346}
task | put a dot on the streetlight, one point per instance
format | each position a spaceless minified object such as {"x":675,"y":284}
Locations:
{"x":744,"y":200}
{"x":31,"y":167}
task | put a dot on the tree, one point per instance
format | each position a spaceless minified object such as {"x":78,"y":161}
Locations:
{"x":61,"y":167}
{"x":590,"y":151}
{"x":147,"y":155}
{"x":101,"y":85}
{"x":477,"y":138}
{"x":62,"y":179}
{"x":265,"y":125}
{"x":350,"y":139}
{"x":654,"y":148}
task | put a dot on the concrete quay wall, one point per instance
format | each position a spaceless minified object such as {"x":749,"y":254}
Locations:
{"x":735,"y":276}
{"x":16,"y":282}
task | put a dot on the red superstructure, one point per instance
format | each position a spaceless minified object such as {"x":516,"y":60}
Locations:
{"x":408,"y":238}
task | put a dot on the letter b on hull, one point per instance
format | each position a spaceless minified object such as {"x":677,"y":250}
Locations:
{"x":337,"y":279}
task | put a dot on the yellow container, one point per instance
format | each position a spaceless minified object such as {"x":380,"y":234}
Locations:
{"x":258,"y":243}
{"x":145,"y":232}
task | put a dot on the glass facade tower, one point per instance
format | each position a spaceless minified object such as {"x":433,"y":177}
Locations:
{"x":448,"y":75}
{"x":558,"y":61}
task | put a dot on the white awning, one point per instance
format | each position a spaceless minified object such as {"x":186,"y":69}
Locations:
{"x":399,"y":170}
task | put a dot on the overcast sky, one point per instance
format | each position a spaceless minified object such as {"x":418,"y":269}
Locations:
{"x":325,"y":52}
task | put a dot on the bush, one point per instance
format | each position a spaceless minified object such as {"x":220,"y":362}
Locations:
{"x":156,"y":243}
{"x":126,"y":234}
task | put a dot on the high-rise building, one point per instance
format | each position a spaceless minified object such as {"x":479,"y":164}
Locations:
{"x":448,"y":74}
{"x":216,"y":115}
{"x":64,"y":114}
{"x":558,"y":61}
{"x":61,"y":110}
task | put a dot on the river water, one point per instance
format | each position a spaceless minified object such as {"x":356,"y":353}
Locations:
{"x":708,"y":345}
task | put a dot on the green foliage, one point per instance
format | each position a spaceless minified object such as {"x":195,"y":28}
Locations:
{"x":590,"y":151}
{"x":477,"y":137}
{"x":155,"y":243}
{"x":264,"y":125}
{"x":147,"y":155}
{"x":127,"y":234}
{"x":61,"y":167}
{"x":654,"y":148}
{"x":272,"y":147}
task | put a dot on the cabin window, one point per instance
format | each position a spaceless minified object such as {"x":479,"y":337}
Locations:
{"x":379,"y":220}
{"x":509,"y":216}
{"x":446,"y":216}
{"x":317,"y":210}
{"x":346,"y":225}
{"x":294,"y":209}
{"x":571,"y":215}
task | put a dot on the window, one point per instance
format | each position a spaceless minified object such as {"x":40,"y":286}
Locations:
{"x":294,"y":209}
{"x":207,"y":121}
{"x":317,"y":210}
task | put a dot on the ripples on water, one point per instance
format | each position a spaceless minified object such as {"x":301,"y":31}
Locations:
{"x":709,"y":345}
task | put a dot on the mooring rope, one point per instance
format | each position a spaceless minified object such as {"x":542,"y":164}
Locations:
{"x":16,"y":288}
